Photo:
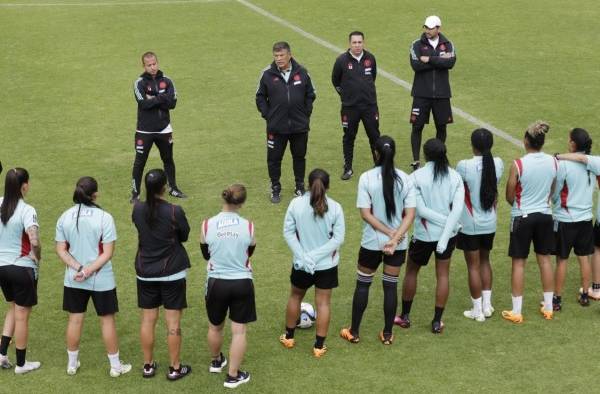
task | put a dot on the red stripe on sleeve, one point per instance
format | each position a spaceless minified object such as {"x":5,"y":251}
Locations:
{"x":25,"y":245}
{"x":564,"y":195}
{"x":468,"y":202}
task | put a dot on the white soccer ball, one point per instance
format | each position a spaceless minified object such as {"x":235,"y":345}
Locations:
{"x":308,"y":315}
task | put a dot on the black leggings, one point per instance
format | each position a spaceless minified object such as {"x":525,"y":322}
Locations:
{"x":143,"y":143}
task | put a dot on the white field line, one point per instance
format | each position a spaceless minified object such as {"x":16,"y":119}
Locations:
{"x":108,"y":4}
{"x":393,"y":78}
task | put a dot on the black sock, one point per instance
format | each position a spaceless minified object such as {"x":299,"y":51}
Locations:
{"x":289,"y":332}
{"x":557,"y":299}
{"x":21,"y":357}
{"x":437,"y":316}
{"x":415,"y":141}
{"x":319,"y":341}
{"x":440,"y":132}
{"x":406,"y":305}
{"x":390,"y":301}
{"x":360,"y":301}
{"x":4,"y":342}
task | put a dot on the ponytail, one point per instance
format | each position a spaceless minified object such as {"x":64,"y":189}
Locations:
{"x":318,"y":182}
{"x":14,"y":180}
{"x":482,"y":141}
{"x":234,"y":194}
{"x":155,"y":180}
{"x":536,"y":134}
{"x":385,"y":147}
{"x":435,"y":151}
{"x":583,"y":143}
{"x":83,"y":195}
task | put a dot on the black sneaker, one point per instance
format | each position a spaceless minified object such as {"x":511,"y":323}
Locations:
{"x":134,"y":198}
{"x":415,"y":165}
{"x":437,"y":327}
{"x":216,"y":366}
{"x":275,"y":197}
{"x":556,"y":304}
{"x":299,"y":191}
{"x":149,"y":370}
{"x":241,"y":378}
{"x":583,"y":299}
{"x":175,"y":192}
{"x":347,"y":174}
{"x":175,"y":374}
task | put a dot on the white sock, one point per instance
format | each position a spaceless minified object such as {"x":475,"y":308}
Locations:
{"x":548,"y":300}
{"x":517,"y":303}
{"x":73,"y":357}
{"x":487,"y":298}
{"x":477,"y":306}
{"x":115,"y":362}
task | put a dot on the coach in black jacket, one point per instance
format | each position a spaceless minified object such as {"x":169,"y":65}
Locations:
{"x":353,"y":77}
{"x":284,"y":99}
{"x":431,"y":57}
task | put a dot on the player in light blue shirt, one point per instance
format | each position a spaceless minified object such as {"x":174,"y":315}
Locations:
{"x":85,"y":241}
{"x":20,"y":255}
{"x":386,"y":199}
{"x":314,"y":230}
{"x":481,"y":176}
{"x":227,"y":243}
{"x":530,"y":185}
{"x":440,"y":200}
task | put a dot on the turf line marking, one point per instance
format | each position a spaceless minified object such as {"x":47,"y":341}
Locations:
{"x":109,"y":4}
{"x":393,"y":78}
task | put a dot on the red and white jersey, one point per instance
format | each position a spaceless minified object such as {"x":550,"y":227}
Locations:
{"x":535,"y":174}
{"x":14,"y":241}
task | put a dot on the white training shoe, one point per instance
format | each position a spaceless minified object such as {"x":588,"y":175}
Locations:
{"x":28,"y":367}
{"x":488,"y":311}
{"x":121,"y":370}
{"x":470,"y":314}
{"x":4,"y":362}
{"x":73,"y":370}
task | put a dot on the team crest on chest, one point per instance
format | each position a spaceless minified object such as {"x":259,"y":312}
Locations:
{"x":368,"y":63}
{"x":162,"y":85}
{"x":442,"y":47}
{"x":349,"y":66}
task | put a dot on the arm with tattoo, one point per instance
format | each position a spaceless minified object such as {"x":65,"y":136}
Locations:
{"x":34,"y":240}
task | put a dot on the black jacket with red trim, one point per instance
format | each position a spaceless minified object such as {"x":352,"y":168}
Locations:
{"x":286,"y":106}
{"x":431,"y":79}
{"x":155,"y":97}
{"x":354,"y":80}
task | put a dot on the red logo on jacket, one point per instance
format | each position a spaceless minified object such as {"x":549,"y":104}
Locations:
{"x":349,"y":66}
{"x":297,"y":77}
{"x":442,"y":47}
{"x":368,"y":63}
{"x":162,"y":85}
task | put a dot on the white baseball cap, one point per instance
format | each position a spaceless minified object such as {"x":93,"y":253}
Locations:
{"x":432,"y":21}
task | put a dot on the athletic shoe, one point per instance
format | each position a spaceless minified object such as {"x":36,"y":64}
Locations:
{"x":318,"y":353}
{"x":347,"y":174}
{"x":134,"y":198}
{"x":182,"y":372}
{"x":120,"y":370}
{"x":415,"y":165}
{"x":73,"y":370}
{"x":386,"y":338}
{"x":27,"y":367}
{"x":287,"y":342}
{"x":556,"y":304}
{"x":402,"y":321}
{"x":275,"y":197}
{"x":149,"y":370}
{"x":593,"y":294}
{"x":470,"y":314}
{"x":234,"y":381}
{"x":548,"y":315}
{"x":299,"y":192}
{"x":216,"y":365}
{"x":4,"y":362}
{"x":583,"y":299}
{"x":512,"y":317}
{"x":488,"y":311}
{"x":437,"y":327}
{"x":175,"y":192}
{"x":347,"y":335}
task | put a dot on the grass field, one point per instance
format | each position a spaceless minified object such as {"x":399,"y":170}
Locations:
{"x":68,"y":110}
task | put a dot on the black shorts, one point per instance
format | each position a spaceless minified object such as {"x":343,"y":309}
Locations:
{"x":237,"y":295}
{"x":421,"y":107}
{"x":471,"y":243}
{"x":152,"y":294}
{"x":536,"y":227}
{"x":372,"y":258}
{"x":597,"y":235}
{"x":578,"y":236}
{"x":325,"y":279}
{"x":19,"y":285}
{"x":419,"y":252}
{"x":76,"y":301}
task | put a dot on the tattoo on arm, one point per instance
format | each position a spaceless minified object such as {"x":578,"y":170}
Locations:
{"x":34,"y":239}
{"x":174,"y":332}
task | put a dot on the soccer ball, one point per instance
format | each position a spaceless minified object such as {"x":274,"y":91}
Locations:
{"x":308,"y":315}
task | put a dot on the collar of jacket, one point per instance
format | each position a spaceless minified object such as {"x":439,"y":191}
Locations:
{"x":295,"y":67}
{"x":443,"y":39}
{"x":145,"y":75}
{"x":364,"y":56}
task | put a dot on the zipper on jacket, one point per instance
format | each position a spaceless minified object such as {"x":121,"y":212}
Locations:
{"x":156,"y":87}
{"x":434,"y":83}
{"x":287,"y":88}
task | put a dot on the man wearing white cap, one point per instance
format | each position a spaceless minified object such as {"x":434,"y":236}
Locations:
{"x":431,"y":56}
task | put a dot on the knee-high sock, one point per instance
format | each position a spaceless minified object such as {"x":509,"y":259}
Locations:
{"x":360,"y":300}
{"x":390,"y":300}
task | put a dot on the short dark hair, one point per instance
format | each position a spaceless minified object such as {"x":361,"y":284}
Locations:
{"x":356,"y":33}
{"x":148,"y":55}
{"x":280,"y":46}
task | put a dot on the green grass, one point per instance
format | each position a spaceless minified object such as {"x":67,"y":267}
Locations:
{"x":68,"y":111}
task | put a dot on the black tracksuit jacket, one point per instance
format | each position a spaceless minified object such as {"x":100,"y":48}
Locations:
{"x":153,"y":112}
{"x":354,"y":80}
{"x":431,"y":79}
{"x":286,"y":106}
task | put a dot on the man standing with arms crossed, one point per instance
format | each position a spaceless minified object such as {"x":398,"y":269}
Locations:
{"x":284,"y":99}
{"x":155,"y":95}
{"x":431,"y":57}
{"x":353,"y":77}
